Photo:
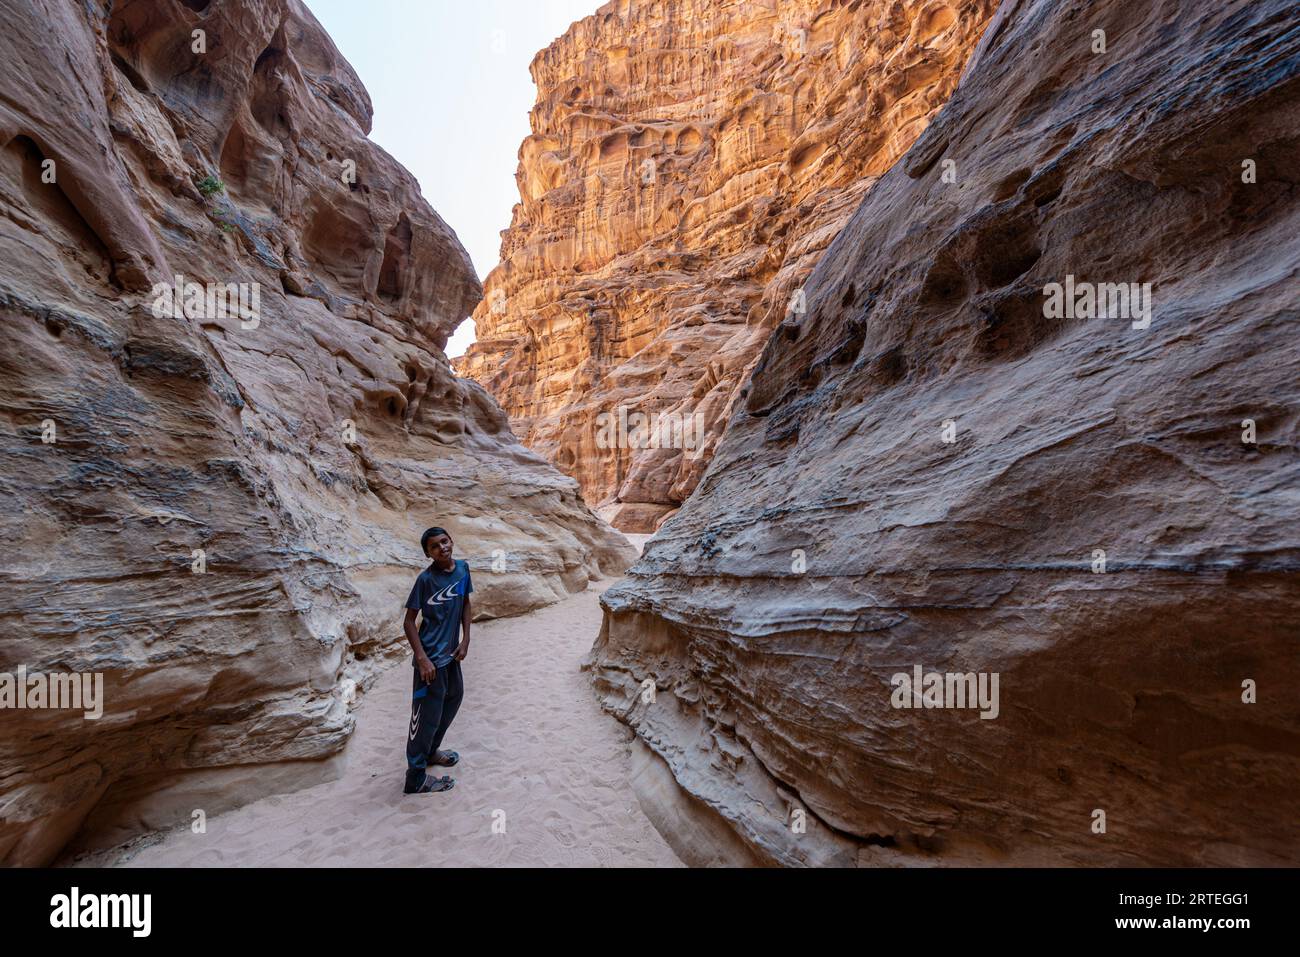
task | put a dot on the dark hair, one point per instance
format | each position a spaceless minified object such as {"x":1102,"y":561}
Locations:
{"x":431,"y":533}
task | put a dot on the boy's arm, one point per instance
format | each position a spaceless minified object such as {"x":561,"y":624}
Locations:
{"x":427,"y":671}
{"x":463,"y":650}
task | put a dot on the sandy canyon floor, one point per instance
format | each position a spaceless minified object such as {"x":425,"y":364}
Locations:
{"x":536,"y":752}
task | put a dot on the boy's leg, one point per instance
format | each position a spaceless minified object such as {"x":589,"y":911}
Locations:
{"x":454,"y":691}
{"x":426,"y":715}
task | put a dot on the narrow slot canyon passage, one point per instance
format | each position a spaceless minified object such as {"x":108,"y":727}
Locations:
{"x":871,"y":442}
{"x":537,"y":755}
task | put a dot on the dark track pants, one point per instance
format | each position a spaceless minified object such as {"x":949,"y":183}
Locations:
{"x":433,"y":706}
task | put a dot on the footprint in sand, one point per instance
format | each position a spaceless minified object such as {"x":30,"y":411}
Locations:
{"x":563,"y":834}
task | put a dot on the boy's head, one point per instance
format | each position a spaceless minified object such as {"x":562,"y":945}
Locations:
{"x":436,"y":543}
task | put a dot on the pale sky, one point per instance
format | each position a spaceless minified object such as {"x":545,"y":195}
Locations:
{"x":451,"y":92}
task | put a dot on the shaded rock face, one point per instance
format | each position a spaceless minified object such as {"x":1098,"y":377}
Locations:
{"x":689,"y":162}
{"x":838,"y":540}
{"x":292,"y":457}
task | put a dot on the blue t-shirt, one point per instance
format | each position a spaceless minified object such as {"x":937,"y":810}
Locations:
{"x":440,"y":598}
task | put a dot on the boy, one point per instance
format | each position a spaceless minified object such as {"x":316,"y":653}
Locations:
{"x":442,"y":594}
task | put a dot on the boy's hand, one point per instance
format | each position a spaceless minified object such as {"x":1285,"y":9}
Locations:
{"x":462,"y":650}
{"x":427,"y":671}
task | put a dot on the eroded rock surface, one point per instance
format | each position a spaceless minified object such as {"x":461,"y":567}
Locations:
{"x":302,"y":455}
{"x":690,"y":161}
{"x":838,"y":540}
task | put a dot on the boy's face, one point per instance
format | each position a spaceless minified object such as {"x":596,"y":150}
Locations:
{"x":439,"y":548}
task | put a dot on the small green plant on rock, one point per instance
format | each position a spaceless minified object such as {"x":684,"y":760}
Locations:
{"x":210,"y":185}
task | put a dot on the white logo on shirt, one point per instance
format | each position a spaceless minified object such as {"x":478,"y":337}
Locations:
{"x":446,"y":595}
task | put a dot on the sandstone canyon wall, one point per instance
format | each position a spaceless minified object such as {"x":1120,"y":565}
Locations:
{"x":302,"y":454}
{"x":924,"y":470}
{"x":689,"y":162}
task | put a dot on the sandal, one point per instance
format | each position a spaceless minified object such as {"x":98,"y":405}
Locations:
{"x":452,"y":759}
{"x":432,"y":784}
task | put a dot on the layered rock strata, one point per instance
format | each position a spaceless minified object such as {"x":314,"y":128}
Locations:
{"x":218,"y":511}
{"x":948,"y":465}
{"x":689,"y":162}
